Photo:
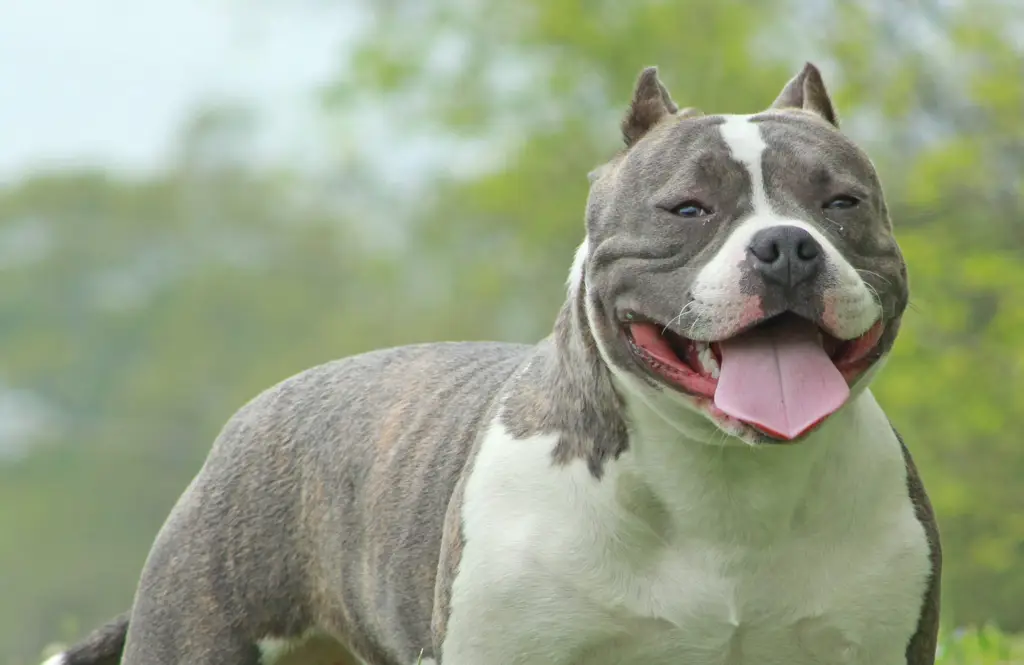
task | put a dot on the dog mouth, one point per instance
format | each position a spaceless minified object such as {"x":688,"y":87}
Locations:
{"x":783,"y":377}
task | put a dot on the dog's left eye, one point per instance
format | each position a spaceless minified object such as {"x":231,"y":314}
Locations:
{"x":841,"y":202}
{"x":690,"y":209}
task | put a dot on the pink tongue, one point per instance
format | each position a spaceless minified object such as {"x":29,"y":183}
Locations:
{"x":779,"y":379}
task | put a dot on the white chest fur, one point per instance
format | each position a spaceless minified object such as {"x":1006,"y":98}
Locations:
{"x":691,"y":555}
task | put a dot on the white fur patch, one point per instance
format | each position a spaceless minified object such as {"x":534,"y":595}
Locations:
{"x":719,"y":305}
{"x":684,"y":552}
{"x":55,"y":660}
{"x":576,"y":275}
{"x":312,"y":648}
{"x":274,"y":649}
{"x":747,"y":147}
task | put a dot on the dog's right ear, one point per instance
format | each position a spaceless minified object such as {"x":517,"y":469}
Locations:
{"x":651,"y":104}
{"x":807,"y":91}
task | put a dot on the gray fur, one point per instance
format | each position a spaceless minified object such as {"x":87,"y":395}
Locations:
{"x":331,"y":503}
{"x":587,"y":415}
{"x":806,"y":91}
{"x":326,"y":485}
{"x":651,"y":103}
{"x":102,"y":646}
{"x":921,"y":649}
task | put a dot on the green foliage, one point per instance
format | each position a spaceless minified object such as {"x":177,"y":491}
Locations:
{"x":980,"y":646}
{"x":140,"y":314}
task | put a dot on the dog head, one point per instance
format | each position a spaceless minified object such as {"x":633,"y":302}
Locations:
{"x":740,"y":268}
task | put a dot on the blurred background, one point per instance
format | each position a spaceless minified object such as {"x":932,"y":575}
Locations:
{"x":199,"y":198}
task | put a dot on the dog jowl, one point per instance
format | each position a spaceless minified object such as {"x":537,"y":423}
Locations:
{"x":747,"y":262}
{"x":612,"y":494}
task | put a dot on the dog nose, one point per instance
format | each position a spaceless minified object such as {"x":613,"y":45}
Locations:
{"x":786,"y":255}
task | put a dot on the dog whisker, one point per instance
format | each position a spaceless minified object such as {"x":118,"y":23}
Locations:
{"x":881,"y":278}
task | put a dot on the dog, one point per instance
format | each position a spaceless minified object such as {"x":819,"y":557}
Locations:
{"x":691,"y":469}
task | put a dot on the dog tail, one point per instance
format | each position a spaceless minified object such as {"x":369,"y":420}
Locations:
{"x":102,"y":646}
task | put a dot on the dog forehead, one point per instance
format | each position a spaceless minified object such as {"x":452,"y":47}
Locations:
{"x":764,"y":156}
{"x":764,"y":142}
{"x":799,"y":143}
{"x":689,"y":150}
{"x":799,"y":151}
{"x":688,"y":132}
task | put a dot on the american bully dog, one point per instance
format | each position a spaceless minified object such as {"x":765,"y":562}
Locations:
{"x":690,"y":470}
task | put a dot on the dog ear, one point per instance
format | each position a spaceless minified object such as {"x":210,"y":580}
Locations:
{"x":651,"y":103}
{"x":807,"y":91}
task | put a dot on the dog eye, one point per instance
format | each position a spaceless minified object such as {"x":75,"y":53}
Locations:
{"x":690,"y":210}
{"x":841,"y":202}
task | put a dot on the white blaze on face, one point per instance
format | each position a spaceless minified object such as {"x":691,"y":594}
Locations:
{"x":718,"y":301}
{"x":746,"y":146}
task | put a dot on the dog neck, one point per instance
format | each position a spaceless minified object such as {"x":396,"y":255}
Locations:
{"x":752,"y":492}
{"x":569,"y":389}
{"x":565,"y":388}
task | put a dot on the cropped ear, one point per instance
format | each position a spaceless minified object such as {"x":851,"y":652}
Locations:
{"x":807,"y":91}
{"x":651,"y":104}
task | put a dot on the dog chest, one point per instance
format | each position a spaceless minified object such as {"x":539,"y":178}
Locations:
{"x":555,"y":569}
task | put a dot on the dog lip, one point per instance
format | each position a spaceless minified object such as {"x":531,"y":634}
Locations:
{"x":630,"y":317}
{"x":852,"y":356}
{"x":672,"y":365}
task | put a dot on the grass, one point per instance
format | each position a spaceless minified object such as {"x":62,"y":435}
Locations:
{"x":980,"y":646}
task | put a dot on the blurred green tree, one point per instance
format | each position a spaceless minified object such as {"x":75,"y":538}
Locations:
{"x":139,"y":315}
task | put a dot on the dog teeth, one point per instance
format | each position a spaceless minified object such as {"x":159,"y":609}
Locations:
{"x":707,"y":359}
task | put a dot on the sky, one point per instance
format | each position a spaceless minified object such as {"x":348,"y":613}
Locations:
{"x":110,"y":82}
